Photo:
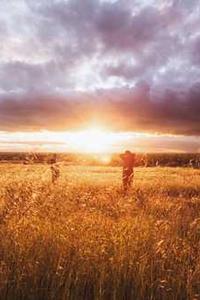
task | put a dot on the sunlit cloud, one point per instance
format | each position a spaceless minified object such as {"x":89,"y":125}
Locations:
{"x":95,"y":140}
{"x":133,"y":65}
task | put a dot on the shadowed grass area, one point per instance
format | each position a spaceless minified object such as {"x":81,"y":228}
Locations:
{"x":82,"y":239}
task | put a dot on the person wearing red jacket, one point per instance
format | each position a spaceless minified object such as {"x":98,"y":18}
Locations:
{"x":128,"y":163}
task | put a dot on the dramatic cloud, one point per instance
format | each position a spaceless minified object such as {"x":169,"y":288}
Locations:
{"x":133,"y":65}
{"x":127,"y":109}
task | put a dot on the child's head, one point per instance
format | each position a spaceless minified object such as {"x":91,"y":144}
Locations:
{"x":53,"y":160}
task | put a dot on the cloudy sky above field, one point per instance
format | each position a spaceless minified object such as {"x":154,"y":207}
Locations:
{"x":131,"y":66}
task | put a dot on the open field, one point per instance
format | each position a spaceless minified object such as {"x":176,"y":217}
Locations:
{"x":82,"y":239}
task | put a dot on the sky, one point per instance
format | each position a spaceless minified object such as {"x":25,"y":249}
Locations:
{"x":131,"y":67}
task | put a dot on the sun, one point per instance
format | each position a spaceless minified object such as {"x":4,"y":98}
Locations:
{"x":92,"y":140}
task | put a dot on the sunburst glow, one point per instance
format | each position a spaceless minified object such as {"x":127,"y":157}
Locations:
{"x":92,"y":140}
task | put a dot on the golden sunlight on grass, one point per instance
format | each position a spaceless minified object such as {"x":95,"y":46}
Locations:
{"x":82,"y":239}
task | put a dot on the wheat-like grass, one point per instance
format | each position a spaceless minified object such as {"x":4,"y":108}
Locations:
{"x":82,"y":239}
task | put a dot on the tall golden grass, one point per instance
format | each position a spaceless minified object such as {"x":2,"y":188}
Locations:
{"x":82,"y":239}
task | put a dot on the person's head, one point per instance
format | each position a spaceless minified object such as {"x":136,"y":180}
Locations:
{"x":53,"y":159}
{"x":128,"y":152}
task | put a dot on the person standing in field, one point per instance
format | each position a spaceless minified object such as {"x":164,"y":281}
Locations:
{"x":55,"y":170}
{"x":128,"y":163}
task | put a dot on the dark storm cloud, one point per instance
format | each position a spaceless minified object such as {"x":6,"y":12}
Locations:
{"x":51,"y":47}
{"x":37,"y":112}
{"x":174,"y":112}
{"x":77,"y":28}
{"x":121,"y":109}
{"x":120,"y":30}
{"x":67,"y":28}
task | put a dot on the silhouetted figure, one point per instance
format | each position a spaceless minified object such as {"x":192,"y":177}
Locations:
{"x":128,"y":162}
{"x":55,"y":170}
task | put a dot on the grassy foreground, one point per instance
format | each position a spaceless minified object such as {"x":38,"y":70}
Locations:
{"x":82,"y":239}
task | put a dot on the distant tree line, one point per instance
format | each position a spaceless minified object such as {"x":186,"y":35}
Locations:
{"x":166,"y":160}
{"x":145,"y":160}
